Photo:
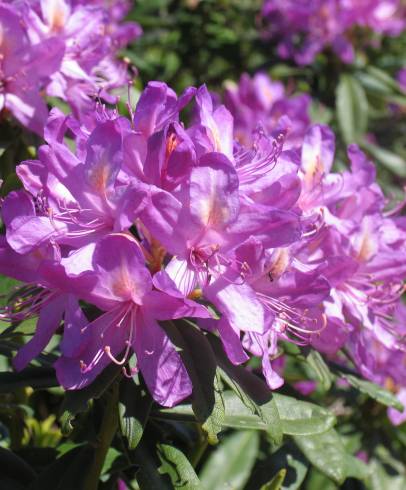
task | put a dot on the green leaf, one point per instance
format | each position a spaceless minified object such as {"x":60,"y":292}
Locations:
{"x":78,"y":401}
{"x":374,"y":391}
{"x":229,"y":466}
{"x":148,"y":476}
{"x":276,"y":482}
{"x":352,"y":109}
{"x":36,"y":377}
{"x":327,"y":453}
{"x":287,"y":458}
{"x":303,"y":418}
{"x":384,"y":78}
{"x":15,"y":468}
{"x":177,"y":466}
{"x":323,"y":374}
{"x":390,"y":160}
{"x":134,"y":408}
{"x":111,"y":457}
{"x":374,"y":85}
{"x":296,"y":417}
{"x":66,"y":472}
{"x":200,"y":362}
{"x":385,"y":471}
{"x":252,"y":391}
{"x":380,"y":478}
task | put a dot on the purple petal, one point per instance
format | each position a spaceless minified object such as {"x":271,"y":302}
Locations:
{"x":49,"y":319}
{"x":160,"y":364}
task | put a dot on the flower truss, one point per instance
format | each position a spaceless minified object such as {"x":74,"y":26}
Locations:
{"x":65,"y":48}
{"x":152,"y":219}
{"x":304,"y":28}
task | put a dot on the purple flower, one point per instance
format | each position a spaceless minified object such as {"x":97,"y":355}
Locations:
{"x":24,"y":68}
{"x":74,"y":199}
{"x":148,"y":215}
{"x":304,"y":28}
{"x":65,"y":48}
{"x":123,"y":289}
{"x":258,"y":102}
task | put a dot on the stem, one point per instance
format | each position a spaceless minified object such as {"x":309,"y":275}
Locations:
{"x":200,"y":448}
{"x":107,"y":432}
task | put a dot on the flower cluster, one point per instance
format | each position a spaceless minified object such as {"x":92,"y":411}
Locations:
{"x":258,"y":102}
{"x":151,"y":220}
{"x":304,"y":28}
{"x":64,"y":48}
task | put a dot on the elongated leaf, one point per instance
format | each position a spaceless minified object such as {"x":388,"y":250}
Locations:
{"x":352,"y":109}
{"x":374,"y":391}
{"x":327,"y":453}
{"x":323,"y":374}
{"x":229,"y":466}
{"x":15,"y":468}
{"x":390,"y":160}
{"x":383,"y":478}
{"x":303,"y":418}
{"x":251,"y":390}
{"x":36,"y":377}
{"x":276,"y":482}
{"x":287,"y":458}
{"x":200,"y":362}
{"x":134,"y":408}
{"x":177,"y":466}
{"x":148,"y":476}
{"x":374,"y":85}
{"x":66,"y":472}
{"x":296,"y":417}
{"x":386,"y":470}
{"x":384,"y":78}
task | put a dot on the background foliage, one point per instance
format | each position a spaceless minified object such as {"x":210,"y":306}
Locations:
{"x":337,"y":437}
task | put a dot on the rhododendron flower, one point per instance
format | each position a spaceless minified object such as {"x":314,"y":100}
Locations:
{"x":150,"y":219}
{"x":91,"y":38}
{"x":123,"y":288}
{"x":24,"y":68}
{"x":74,"y":200}
{"x":303,"y":29}
{"x":64,"y":49}
{"x":259,"y":102}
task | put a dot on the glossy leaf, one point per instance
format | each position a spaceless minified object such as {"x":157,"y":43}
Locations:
{"x":393,"y":162}
{"x":36,"y":377}
{"x":374,"y":391}
{"x":276,"y":482}
{"x":297,"y":417}
{"x":328,"y":454}
{"x":229,"y":466}
{"x":301,"y":417}
{"x":287,"y":458}
{"x":177,"y":466}
{"x":251,"y":390}
{"x":66,"y":472}
{"x":352,"y":109}
{"x":15,"y":468}
{"x":134,"y":408}
{"x":148,"y":475}
{"x":320,"y":368}
{"x":201,"y":365}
